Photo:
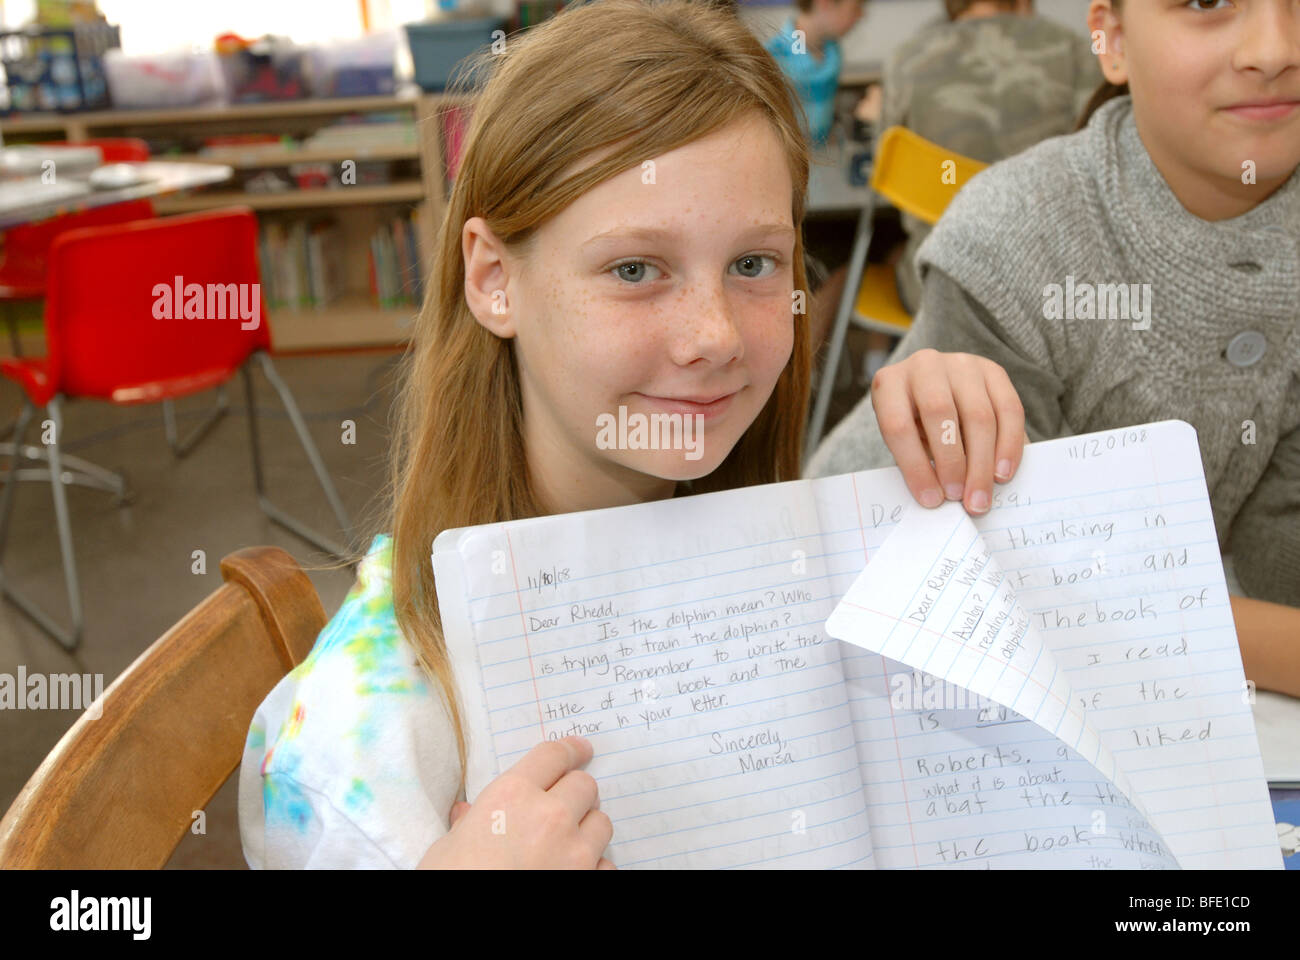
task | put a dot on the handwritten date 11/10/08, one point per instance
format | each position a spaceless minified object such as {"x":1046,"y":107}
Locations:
{"x":542,"y":579}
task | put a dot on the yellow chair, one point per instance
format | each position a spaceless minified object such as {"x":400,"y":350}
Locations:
{"x":918,"y":177}
{"x":878,"y":306}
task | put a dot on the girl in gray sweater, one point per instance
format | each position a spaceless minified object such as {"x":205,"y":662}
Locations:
{"x":1144,"y":268}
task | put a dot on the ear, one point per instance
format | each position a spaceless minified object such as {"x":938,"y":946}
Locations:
{"x":487,"y":277}
{"x":1108,"y":41}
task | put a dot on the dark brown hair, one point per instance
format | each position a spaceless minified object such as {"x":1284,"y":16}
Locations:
{"x":805,"y":6}
{"x":1107,"y":90}
{"x":956,"y":8}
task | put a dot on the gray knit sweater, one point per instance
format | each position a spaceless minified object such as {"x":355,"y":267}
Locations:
{"x":1092,"y":206}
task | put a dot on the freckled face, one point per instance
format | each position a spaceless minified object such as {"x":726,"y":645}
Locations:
{"x":664,"y":290}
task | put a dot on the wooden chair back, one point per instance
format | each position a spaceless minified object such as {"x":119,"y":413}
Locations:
{"x":120,"y":789}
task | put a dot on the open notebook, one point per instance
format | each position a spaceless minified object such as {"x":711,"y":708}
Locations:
{"x":1055,"y":684}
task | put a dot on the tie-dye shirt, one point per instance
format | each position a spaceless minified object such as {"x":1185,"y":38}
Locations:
{"x":350,"y":760}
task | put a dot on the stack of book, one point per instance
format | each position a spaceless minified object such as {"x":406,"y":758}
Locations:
{"x":395,"y":274}
{"x":301,"y":263}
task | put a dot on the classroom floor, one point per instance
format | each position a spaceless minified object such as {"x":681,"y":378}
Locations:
{"x":135,"y":561}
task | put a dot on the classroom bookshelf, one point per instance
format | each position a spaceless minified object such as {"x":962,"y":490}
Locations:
{"x":360,"y":308}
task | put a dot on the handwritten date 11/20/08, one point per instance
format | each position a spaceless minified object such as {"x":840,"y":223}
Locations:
{"x":1100,"y":446}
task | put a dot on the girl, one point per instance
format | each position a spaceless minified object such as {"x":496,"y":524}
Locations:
{"x":624,"y":230}
{"x":1182,"y":188}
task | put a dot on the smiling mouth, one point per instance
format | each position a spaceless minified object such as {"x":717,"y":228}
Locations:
{"x":1264,"y":109}
{"x":703,"y":405}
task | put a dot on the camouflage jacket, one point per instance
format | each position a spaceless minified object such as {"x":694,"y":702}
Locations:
{"x":985,"y":88}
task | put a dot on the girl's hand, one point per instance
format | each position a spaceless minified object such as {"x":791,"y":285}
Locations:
{"x":957,"y":409}
{"x":541,"y":813}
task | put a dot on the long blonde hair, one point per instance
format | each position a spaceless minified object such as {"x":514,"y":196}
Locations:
{"x":642,"y":77}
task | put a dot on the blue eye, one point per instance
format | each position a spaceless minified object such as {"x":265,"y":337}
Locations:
{"x":633,"y":271}
{"x":635,"y":275}
{"x":754,"y":258}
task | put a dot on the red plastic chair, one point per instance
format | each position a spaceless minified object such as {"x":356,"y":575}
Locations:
{"x":115,"y":332}
{"x":22,"y":272}
{"x":27,"y":248}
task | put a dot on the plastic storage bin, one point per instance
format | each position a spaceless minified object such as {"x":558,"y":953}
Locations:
{"x":355,"y":68}
{"x":180,"y":79}
{"x":270,"y":68}
{"x":56,"y":68}
{"x":439,"y":46}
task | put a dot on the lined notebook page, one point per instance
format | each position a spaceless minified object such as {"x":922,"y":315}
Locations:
{"x":730,"y":730}
{"x":1108,"y":542}
{"x":684,"y":639}
{"x":934,"y":599}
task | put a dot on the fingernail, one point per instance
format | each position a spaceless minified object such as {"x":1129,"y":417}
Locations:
{"x":979,"y":501}
{"x":1003,"y":470}
{"x":955,"y":490}
{"x":931,"y":498}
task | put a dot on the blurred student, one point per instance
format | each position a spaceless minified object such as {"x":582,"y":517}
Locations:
{"x":567,"y":286}
{"x":807,"y":48}
{"x":987,"y":79}
{"x":1183,"y":186}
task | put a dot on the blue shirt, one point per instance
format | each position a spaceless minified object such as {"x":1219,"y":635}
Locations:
{"x":815,"y":81}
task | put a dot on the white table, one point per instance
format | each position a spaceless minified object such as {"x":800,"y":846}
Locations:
{"x":29,"y":199}
{"x":829,"y":190}
{"x":1277,"y":724}
{"x":32,"y":160}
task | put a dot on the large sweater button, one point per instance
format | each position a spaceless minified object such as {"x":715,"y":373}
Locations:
{"x":1246,"y":348}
